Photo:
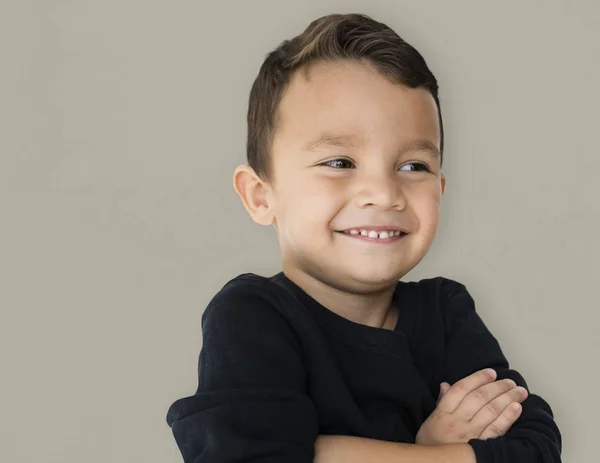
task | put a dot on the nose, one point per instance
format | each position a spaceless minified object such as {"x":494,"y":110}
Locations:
{"x":382,"y":191}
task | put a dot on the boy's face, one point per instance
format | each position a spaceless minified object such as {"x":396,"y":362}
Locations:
{"x":364,"y":175}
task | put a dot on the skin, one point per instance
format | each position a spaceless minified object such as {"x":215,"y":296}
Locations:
{"x":372,"y":176}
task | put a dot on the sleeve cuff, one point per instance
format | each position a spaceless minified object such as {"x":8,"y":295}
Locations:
{"x":484,"y":450}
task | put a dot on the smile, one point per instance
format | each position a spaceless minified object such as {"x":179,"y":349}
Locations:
{"x":384,"y":236}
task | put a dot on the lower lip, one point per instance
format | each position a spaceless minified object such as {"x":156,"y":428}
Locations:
{"x":391,"y":239}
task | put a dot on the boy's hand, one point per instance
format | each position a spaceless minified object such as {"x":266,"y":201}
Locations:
{"x":476,"y":407}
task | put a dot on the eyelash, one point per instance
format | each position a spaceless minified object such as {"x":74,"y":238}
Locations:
{"x":328,"y":164}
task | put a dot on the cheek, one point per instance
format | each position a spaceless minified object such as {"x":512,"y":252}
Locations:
{"x":425,"y":203}
{"x":304,"y":204}
{"x":429,"y":211}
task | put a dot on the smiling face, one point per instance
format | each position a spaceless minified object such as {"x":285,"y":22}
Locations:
{"x":354,"y":154}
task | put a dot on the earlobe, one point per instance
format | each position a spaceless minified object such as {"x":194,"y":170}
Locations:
{"x":254,"y":194}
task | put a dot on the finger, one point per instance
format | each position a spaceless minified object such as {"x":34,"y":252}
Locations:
{"x":503,"y":423}
{"x":443,"y":388}
{"x":492,"y":410}
{"x":457,"y":392}
{"x":483,"y":396}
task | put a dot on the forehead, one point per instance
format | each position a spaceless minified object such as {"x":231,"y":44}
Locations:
{"x":353,"y":98}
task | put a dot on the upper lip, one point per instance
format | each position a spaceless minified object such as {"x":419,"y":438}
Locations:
{"x":377,"y":228}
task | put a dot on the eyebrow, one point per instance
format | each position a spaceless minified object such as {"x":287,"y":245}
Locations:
{"x":345,"y":141}
{"x":424,"y":145}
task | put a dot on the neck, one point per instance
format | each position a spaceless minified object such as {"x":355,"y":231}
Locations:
{"x":371,"y":308}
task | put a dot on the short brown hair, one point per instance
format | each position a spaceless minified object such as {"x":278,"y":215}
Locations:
{"x":329,"y":38}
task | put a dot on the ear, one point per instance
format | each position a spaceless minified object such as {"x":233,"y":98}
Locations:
{"x":254,"y":194}
{"x":443,"y":180}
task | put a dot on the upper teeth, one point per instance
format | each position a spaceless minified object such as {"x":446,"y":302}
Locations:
{"x":374,"y":234}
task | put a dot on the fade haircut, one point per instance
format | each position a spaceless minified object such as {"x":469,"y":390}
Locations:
{"x":330,"y":38}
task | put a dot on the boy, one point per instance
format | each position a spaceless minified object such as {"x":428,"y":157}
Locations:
{"x":335,"y":359}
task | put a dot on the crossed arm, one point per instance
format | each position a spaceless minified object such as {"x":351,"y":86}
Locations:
{"x":523,"y":434}
{"x":242,"y":413}
{"x":476,"y":407}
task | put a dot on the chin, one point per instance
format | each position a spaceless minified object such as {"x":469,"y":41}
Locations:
{"x":370,"y":278}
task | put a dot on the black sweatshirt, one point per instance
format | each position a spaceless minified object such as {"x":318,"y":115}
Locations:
{"x":277,"y":369}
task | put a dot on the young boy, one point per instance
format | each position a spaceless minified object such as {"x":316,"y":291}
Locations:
{"x":335,"y":359}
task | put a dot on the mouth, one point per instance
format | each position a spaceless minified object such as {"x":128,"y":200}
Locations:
{"x":376,"y":236}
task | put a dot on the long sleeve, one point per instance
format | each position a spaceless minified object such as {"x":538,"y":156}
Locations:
{"x":250,"y":404}
{"x":534,"y":437}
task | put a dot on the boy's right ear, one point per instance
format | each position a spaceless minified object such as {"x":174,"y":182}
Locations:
{"x":255,"y":194}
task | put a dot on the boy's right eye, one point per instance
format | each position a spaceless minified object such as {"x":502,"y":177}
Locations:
{"x":339,"y":164}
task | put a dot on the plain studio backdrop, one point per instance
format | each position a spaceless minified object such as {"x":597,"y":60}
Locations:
{"x":121,"y":124}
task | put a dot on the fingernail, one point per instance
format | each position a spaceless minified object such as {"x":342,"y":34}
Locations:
{"x":491,"y":372}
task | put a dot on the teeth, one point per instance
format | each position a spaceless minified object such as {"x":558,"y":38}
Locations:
{"x":374,"y":234}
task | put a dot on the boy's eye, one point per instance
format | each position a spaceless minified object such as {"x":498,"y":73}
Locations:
{"x":422,"y":166}
{"x":339,"y":164}
{"x":342,"y":163}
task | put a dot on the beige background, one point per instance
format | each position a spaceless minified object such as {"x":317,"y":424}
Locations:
{"x":121,"y":124}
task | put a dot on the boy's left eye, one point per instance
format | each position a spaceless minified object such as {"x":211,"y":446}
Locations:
{"x":422,"y":166}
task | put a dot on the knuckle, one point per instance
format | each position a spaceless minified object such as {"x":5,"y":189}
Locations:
{"x":460,"y":387}
{"x":495,"y":430}
{"x":480,"y":395}
{"x":493,"y":408}
{"x":511,"y":412}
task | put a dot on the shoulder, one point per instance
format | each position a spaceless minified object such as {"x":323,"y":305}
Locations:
{"x":248,"y":303}
{"x":250,"y":287}
{"x":244,"y":286}
{"x":246,"y":294}
{"x":439,"y":290}
{"x":442,"y":299}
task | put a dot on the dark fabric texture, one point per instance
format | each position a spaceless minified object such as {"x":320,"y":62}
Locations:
{"x":276,"y":369}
